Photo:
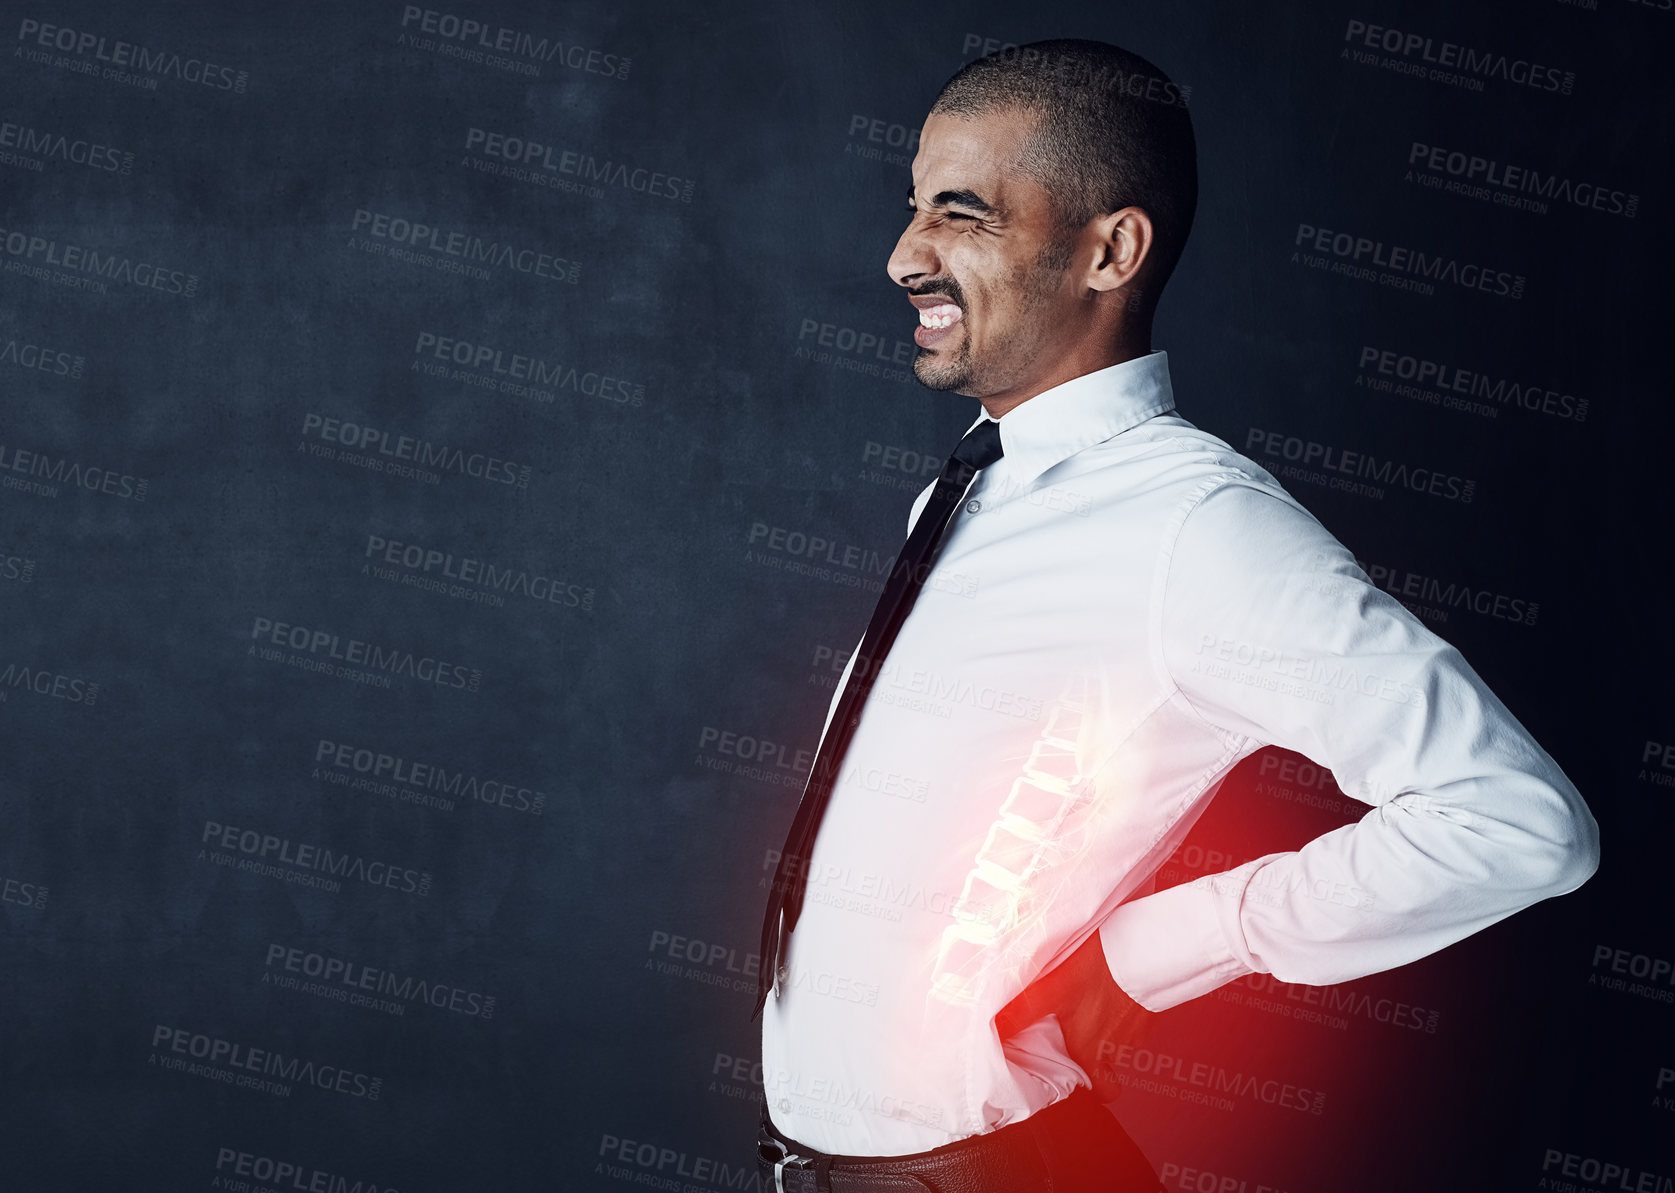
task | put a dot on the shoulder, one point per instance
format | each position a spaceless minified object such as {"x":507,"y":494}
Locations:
{"x":1190,"y":465}
{"x":1229,"y":519}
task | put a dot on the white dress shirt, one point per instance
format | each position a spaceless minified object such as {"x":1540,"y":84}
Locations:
{"x":1124,"y":607}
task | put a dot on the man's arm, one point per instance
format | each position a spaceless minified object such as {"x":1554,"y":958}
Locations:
{"x":1272,"y":633}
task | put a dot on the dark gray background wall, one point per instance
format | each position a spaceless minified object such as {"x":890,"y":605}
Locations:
{"x":210,"y":270}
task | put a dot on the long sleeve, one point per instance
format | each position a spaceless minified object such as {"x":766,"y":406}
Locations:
{"x":1272,"y":635}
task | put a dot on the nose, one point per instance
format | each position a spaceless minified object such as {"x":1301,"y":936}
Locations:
{"x":913,"y":258}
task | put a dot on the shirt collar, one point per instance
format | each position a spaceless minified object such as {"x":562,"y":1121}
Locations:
{"x":1057,"y":423}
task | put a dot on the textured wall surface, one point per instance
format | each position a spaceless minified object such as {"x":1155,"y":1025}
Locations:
{"x":431,"y":444}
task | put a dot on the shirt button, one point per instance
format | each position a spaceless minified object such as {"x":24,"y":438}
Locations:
{"x":972,"y":506}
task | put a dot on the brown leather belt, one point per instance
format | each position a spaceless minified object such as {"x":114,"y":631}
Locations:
{"x":1012,"y":1159}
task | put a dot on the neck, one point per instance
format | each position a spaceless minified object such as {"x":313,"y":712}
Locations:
{"x":1076,"y":365}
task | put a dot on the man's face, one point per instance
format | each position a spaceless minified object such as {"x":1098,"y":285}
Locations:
{"x":982,"y":258}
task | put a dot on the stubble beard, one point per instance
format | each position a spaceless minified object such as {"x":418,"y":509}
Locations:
{"x":1036,"y":283}
{"x":942,"y":375}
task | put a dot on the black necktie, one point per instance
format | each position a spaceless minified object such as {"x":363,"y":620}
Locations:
{"x":979,"y":449}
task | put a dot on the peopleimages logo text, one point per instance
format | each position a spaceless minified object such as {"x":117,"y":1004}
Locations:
{"x":513,"y":42}
{"x":364,"y":654}
{"x":274,"y":850}
{"x":1472,"y":170}
{"x":1365,"y":252}
{"x":355,"y":978}
{"x":214,"y":1051}
{"x":469,"y":248}
{"x":285,"y":1174}
{"x":1481,"y":64}
{"x":1326,"y":460}
{"x":32,"y":249}
{"x":428,"y":776}
{"x":130,"y":56}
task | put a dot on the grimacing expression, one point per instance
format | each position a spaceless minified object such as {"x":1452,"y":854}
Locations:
{"x":982,"y":257}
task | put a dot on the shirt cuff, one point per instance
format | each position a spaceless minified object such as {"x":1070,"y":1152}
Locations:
{"x":1169,"y":947}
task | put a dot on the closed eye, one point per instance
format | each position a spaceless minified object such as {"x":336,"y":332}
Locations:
{"x":947,"y":215}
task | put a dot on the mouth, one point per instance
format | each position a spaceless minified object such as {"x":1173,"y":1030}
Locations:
{"x":937,"y":318}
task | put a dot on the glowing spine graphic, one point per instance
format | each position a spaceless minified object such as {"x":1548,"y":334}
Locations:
{"x":1010,"y":883}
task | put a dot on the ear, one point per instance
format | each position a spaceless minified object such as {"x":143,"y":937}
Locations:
{"x":1123,"y":242}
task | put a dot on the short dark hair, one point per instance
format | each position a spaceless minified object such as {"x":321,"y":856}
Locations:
{"x":1113,"y":132}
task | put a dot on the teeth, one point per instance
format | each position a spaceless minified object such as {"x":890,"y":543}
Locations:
{"x":940,"y":316}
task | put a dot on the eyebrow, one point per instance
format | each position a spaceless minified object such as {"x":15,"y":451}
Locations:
{"x":960,"y":198}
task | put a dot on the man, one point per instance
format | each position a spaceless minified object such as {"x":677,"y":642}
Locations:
{"x":1120,"y":609}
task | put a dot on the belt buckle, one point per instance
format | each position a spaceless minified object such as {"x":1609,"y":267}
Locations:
{"x":786,"y":1159}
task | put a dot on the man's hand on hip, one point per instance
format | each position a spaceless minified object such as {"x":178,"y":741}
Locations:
{"x":1095,"y":1014}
